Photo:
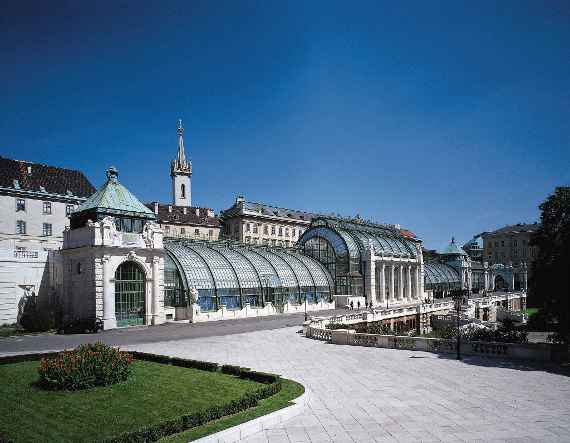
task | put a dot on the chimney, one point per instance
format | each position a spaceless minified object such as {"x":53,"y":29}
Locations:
{"x":169,"y":208}
{"x":184,"y":210}
{"x":29,"y":169}
{"x":197,"y":211}
{"x":156,"y":208}
{"x":210,"y":212}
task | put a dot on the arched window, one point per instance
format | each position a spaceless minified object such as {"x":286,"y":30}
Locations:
{"x":183,"y":191}
{"x":129,"y":294}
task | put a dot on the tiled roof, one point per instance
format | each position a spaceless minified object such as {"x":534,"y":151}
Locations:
{"x":43,"y":178}
{"x":515,"y":229}
{"x":113,"y":196}
{"x":176,"y":215}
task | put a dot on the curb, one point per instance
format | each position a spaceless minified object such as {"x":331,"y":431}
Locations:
{"x":244,"y":430}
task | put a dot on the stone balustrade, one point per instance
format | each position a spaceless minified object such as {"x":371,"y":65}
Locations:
{"x":527,"y":351}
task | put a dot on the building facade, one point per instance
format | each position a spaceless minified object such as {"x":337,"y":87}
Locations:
{"x":112,"y":261}
{"x":262,"y":224}
{"x":35,"y":203}
{"x":510,"y":245}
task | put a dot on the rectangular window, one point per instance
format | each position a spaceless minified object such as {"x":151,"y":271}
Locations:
{"x":272,"y":230}
{"x":197,"y":232}
{"x":280,"y":231}
{"x":286,"y":232}
{"x":68,"y":210}
{"x":502,"y":243}
{"x":515,"y":243}
{"x":211,"y":233}
{"x":293,"y":232}
{"x":247,"y":227}
{"x":265,"y":230}
{"x":20,"y":204}
{"x":20,"y":227}
{"x":46,"y":231}
{"x":47,"y":207}
{"x":273,"y":242}
{"x":255,"y":228}
{"x":167,"y":229}
{"x":182,"y":231}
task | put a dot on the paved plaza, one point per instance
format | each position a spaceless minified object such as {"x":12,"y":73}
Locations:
{"x":359,"y":394}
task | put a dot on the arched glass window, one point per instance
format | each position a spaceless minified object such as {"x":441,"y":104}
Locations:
{"x":129,"y":294}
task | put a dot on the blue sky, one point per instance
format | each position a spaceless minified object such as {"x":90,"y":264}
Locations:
{"x":450,"y":118}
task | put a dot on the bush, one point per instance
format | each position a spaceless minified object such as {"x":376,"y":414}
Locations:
{"x":89,"y":365}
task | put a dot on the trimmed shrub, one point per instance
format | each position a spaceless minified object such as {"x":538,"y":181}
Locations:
{"x":232,"y":370}
{"x":90,"y":365}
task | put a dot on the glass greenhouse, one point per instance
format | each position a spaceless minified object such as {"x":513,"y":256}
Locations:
{"x":341,"y":245}
{"x":440,"y":278}
{"x":233,"y":274}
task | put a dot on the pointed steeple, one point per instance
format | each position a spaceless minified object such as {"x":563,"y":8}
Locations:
{"x":180,"y":165}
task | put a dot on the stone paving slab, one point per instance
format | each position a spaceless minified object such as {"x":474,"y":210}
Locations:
{"x":360,"y":394}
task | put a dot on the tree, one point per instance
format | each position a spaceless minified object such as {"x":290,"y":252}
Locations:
{"x":549,"y":287}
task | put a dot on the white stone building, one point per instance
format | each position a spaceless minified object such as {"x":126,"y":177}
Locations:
{"x":113,"y":260}
{"x":263,"y":224}
{"x":35,"y":202}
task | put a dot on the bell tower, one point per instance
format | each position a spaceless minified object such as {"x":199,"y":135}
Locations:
{"x":181,"y":173}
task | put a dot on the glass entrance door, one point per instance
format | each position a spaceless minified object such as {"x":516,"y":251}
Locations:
{"x":129,"y":295}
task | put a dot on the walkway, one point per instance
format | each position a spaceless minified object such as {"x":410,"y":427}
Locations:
{"x":360,"y":394}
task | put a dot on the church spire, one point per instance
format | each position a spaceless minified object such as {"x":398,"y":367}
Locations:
{"x":180,"y":164}
{"x":181,"y":172}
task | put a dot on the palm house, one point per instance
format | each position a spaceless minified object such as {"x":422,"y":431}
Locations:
{"x":381,"y":262}
{"x":232,"y":276}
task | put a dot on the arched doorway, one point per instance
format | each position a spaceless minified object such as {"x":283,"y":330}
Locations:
{"x":129,"y":294}
{"x":500,"y":283}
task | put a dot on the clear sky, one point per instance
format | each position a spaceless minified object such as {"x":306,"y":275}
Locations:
{"x":450,"y":118}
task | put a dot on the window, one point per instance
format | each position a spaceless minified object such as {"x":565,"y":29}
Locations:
{"x":502,"y":243}
{"x":47,"y":207}
{"x":273,"y":242}
{"x":182,"y":191}
{"x":197,"y":232}
{"x":247,"y":239}
{"x":255,"y":228}
{"x":211,"y":233}
{"x":286,"y":232}
{"x":167,"y":229}
{"x":68,"y":210}
{"x":20,"y":204}
{"x":20,"y":227}
{"x":273,"y":230}
{"x":280,"y":231}
{"x":293,"y":232}
{"x":265,"y":230}
{"x":247,"y":227}
{"x":46,"y":231}
{"x":515,"y":243}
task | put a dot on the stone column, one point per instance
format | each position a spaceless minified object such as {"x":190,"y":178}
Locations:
{"x":417,"y":282}
{"x":382,"y":283}
{"x":401,"y":284}
{"x":109,"y":319}
{"x":409,"y":282}
{"x":392,"y":296}
{"x":371,"y":279}
{"x":156,"y":317}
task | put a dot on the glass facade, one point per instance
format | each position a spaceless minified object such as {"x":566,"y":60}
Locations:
{"x":233,"y":274}
{"x":440,"y":278}
{"x":340,"y":245}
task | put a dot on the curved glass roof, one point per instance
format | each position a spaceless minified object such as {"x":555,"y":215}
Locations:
{"x":440,"y":275}
{"x":223,"y":265}
{"x":354,"y":238}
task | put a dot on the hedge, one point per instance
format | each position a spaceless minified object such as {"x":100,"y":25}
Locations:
{"x":272,"y":385}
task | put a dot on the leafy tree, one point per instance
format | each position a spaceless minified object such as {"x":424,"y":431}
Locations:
{"x":549,"y":287}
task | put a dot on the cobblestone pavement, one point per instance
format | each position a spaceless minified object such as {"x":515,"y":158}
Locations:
{"x":359,"y":394}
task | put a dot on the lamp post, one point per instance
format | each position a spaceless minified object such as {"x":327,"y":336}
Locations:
{"x":305,"y":307}
{"x":458,"y":298}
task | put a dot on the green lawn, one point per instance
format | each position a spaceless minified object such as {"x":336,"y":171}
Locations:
{"x":154,"y":392}
{"x":290,"y":391}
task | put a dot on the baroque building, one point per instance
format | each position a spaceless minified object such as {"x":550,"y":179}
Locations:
{"x":510,"y":244}
{"x":263,"y":224}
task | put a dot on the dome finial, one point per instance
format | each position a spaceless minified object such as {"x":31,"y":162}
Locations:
{"x":452,"y":239}
{"x":112,"y":174}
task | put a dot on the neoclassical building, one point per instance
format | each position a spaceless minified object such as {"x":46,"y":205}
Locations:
{"x":113,"y":260}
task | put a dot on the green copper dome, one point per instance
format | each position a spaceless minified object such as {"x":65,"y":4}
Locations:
{"x":114,"y":199}
{"x":453,"y":249}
